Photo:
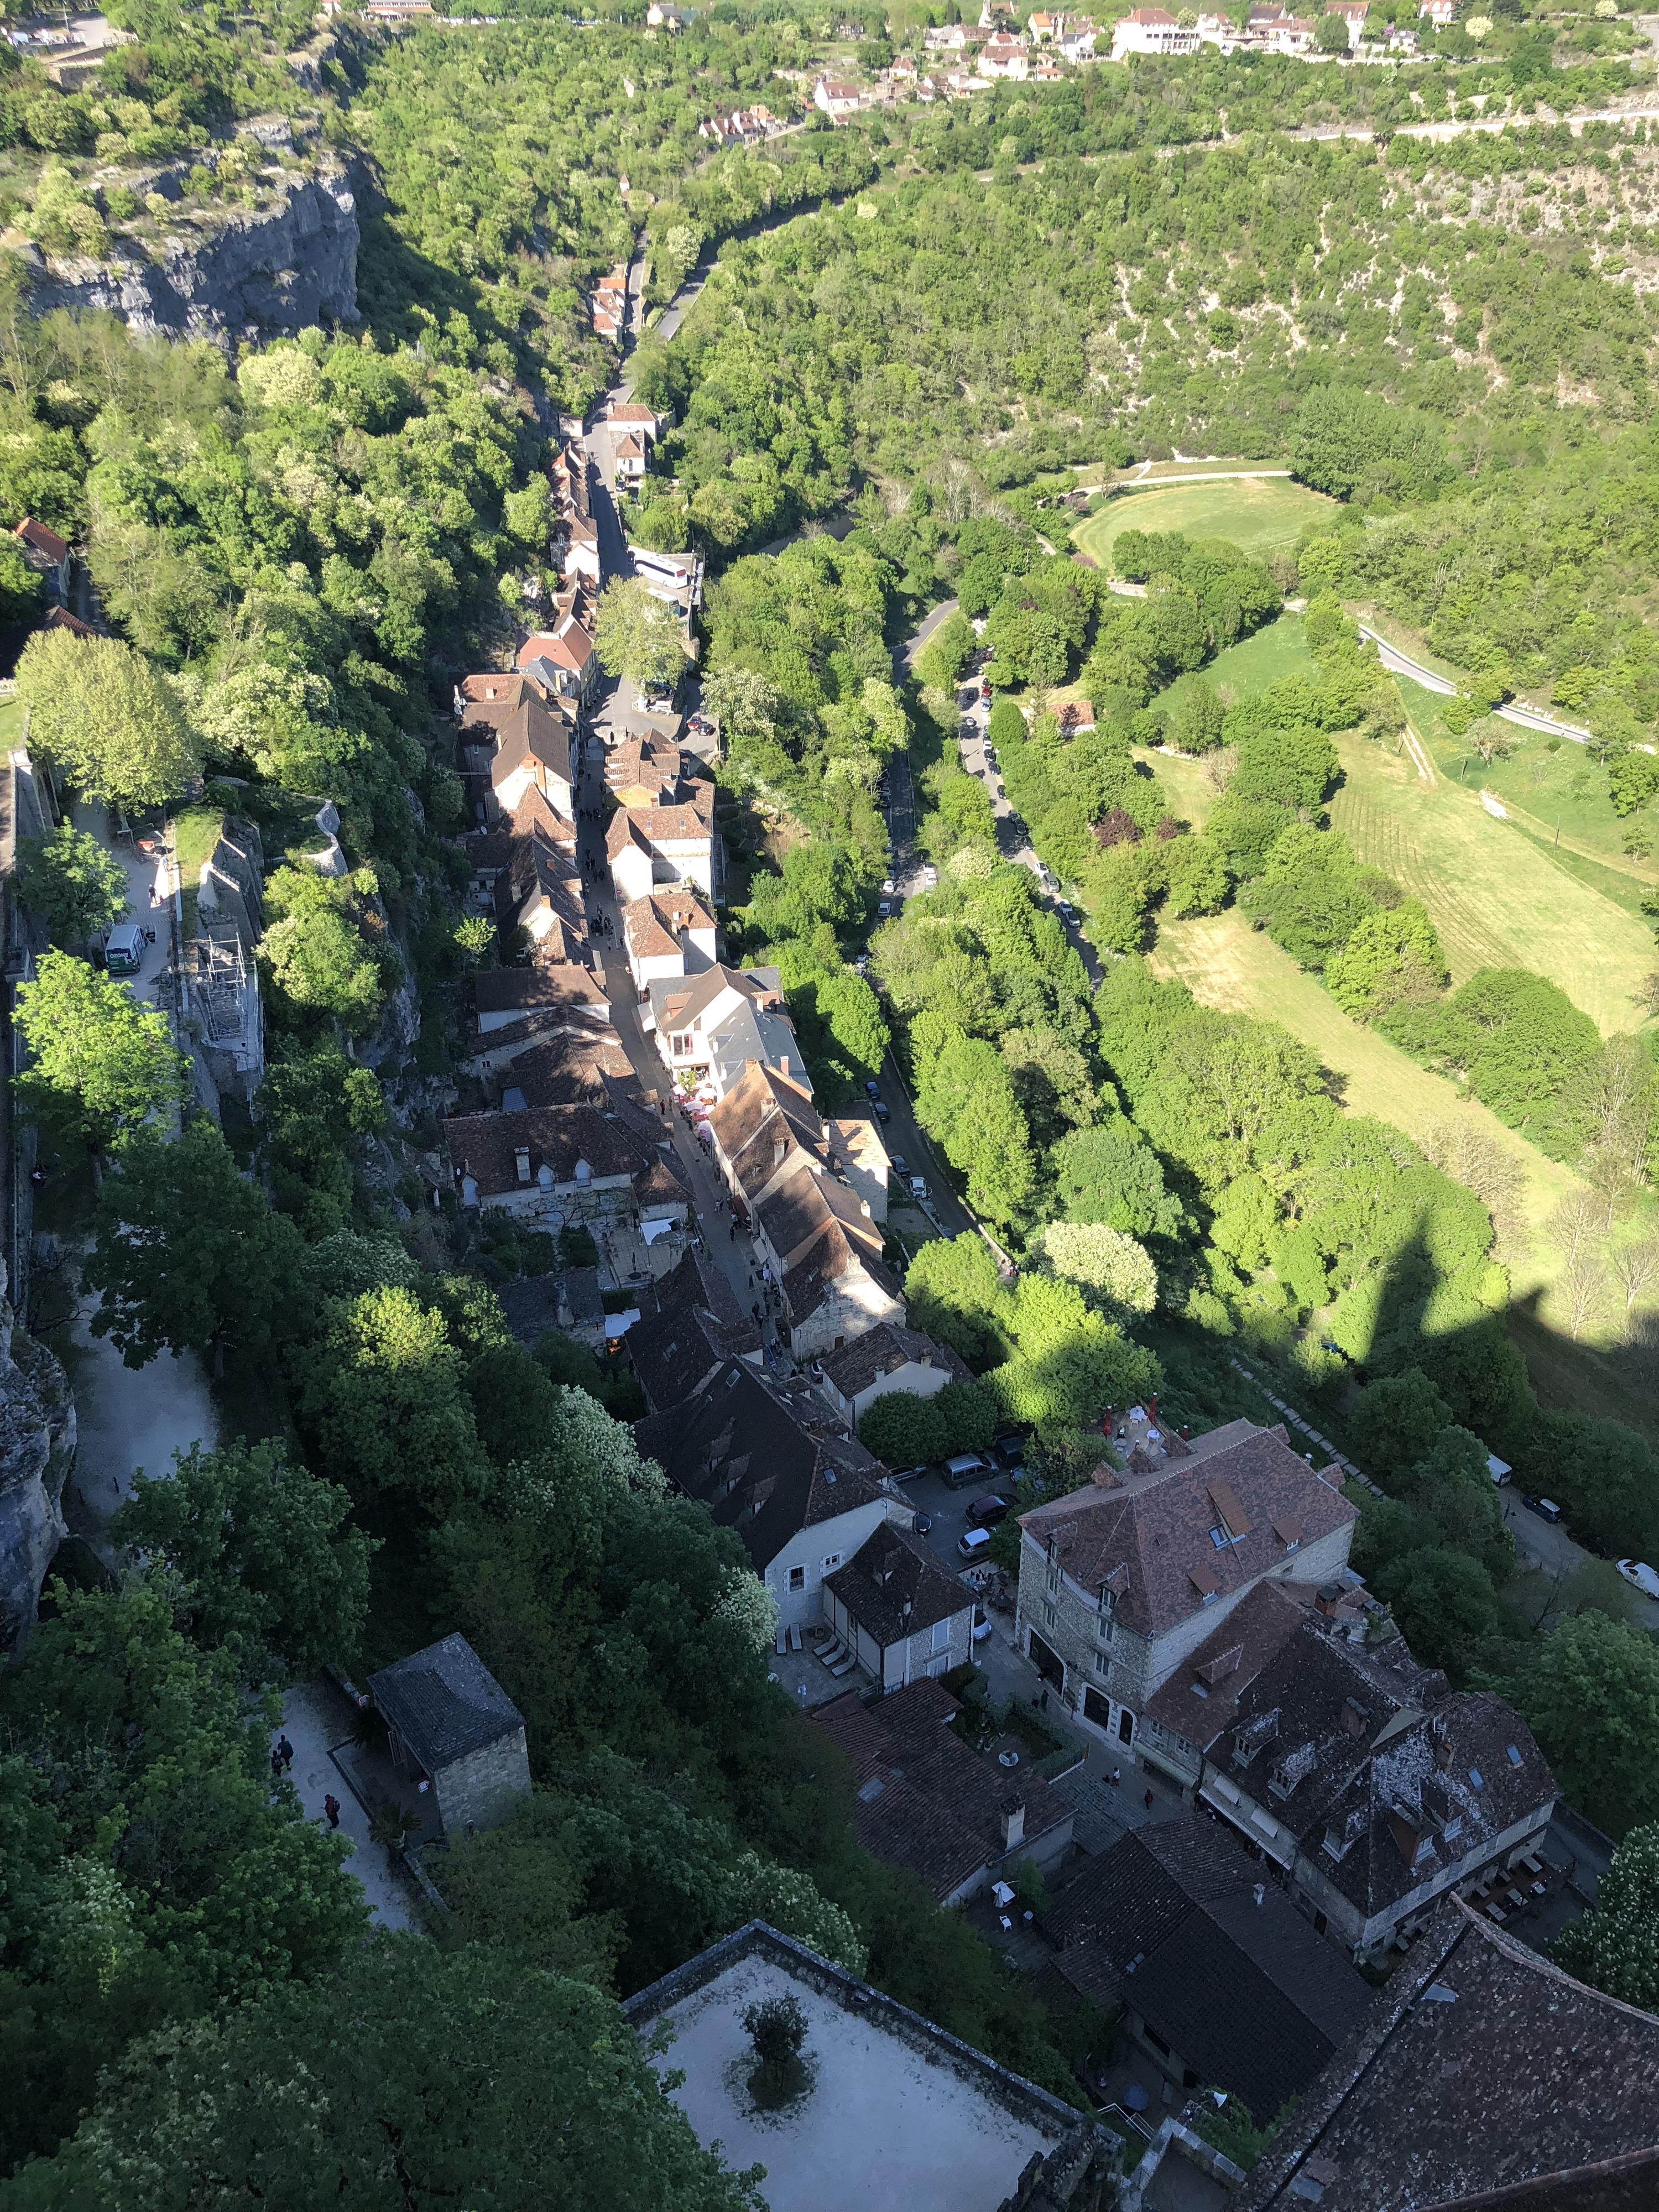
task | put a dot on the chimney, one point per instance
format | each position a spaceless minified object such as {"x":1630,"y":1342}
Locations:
{"x":1013,"y":1825}
{"x":783,"y":1064}
{"x":521,"y":1161}
{"x":1355,"y":1716}
{"x":1326,"y":1598}
{"x":780,"y":1146}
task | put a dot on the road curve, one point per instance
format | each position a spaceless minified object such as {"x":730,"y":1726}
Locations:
{"x":1527,"y":718}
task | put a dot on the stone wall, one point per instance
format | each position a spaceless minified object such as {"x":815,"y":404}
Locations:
{"x":485,"y":1787}
{"x":37,"y":1446}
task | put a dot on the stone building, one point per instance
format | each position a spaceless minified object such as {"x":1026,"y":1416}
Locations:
{"x":1121,"y":1581}
{"x":452,"y":1724}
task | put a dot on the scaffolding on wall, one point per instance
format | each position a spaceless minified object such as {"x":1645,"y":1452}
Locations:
{"x":220,"y":995}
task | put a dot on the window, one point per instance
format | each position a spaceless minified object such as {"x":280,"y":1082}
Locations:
{"x":941,"y":1636}
{"x":1048,"y":1610}
{"x":1054,"y":1574}
{"x":797,"y":1578}
{"x":833,"y":1561}
{"x":1219,"y":1538}
{"x":1125,"y":1726}
{"x":1103,"y":1662}
{"x":939,"y":1662}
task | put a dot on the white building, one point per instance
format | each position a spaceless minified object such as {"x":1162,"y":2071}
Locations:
{"x":666,"y":934}
{"x":883,"y":1359}
{"x":1151,"y":31}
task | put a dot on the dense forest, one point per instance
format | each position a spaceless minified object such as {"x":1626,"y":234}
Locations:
{"x":943,"y":328}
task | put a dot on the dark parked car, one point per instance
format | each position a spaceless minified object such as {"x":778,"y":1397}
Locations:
{"x":986,"y":1513}
{"x":872,"y":1089}
{"x":1011,"y":1450}
{"x":922,"y":1524}
{"x":882,"y":1113}
{"x":1546,"y":1508}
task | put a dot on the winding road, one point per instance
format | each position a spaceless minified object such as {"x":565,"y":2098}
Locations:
{"x":1527,"y":718}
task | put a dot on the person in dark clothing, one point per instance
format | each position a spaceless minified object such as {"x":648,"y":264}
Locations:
{"x":331,"y":1806}
{"x":1149,"y":1801}
{"x":276,"y":1764}
{"x":287,"y":1750}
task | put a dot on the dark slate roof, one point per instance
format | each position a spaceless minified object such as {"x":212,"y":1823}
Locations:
{"x":532,"y":1304}
{"x":1201,"y":1698}
{"x":694,"y":1280}
{"x":444,"y":1703}
{"x":893,"y":1586}
{"x":1158,"y":1526}
{"x":570,"y":1070}
{"x":1167,"y":1924}
{"x":823,"y":1263}
{"x":923,"y":1799}
{"x":1484,"y":2076}
{"x":765,"y":1462}
{"x":1385,"y":1779}
{"x":486,"y":1146}
{"x":863,"y":1360}
{"x":674,"y":1354}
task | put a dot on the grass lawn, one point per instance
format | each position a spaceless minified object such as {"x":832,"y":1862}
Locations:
{"x":1257,"y":513}
{"x":1499,"y":896}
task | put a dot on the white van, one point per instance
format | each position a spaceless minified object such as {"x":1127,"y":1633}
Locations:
{"x":961,"y":1470}
{"x":124,"y":950}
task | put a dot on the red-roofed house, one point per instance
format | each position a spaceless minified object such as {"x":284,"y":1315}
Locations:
{"x":47,"y":553}
{"x":566,"y":655}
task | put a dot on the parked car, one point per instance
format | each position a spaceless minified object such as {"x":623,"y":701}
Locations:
{"x":1640,"y":1575}
{"x":1011,"y":1450}
{"x":921,"y":1523}
{"x":123,"y":948}
{"x":888,"y":885}
{"x":883,"y":1112}
{"x":1545,"y":1508}
{"x":872,"y":1088}
{"x":1065,"y":909}
{"x":960,"y":1471}
{"x":883,"y":910}
{"x":910,"y":1473}
{"x":895,"y":1163}
{"x":986,"y":1513}
{"x":917,"y":1186}
{"x":982,"y":1624}
{"x":930,"y":875}
{"x":976,"y":1544}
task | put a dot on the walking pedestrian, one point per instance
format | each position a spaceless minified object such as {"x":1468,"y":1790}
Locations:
{"x":276,"y":1764}
{"x":331,"y":1806}
{"x":287,"y":1750}
{"x":1117,"y":1775}
{"x":1149,"y":1801}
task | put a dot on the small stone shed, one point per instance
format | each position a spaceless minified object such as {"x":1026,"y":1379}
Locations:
{"x":452,"y":1724}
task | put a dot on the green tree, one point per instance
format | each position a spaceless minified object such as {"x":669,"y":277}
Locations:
{"x":636,"y":635}
{"x":1114,"y":1273}
{"x":101,"y":1062}
{"x":1395,"y":1421}
{"x":188,"y":1254}
{"x":1590,"y":1692}
{"x":1331,"y":34}
{"x":970,"y":1411}
{"x":1615,"y":1946}
{"x":1111,"y":1175}
{"x":1443,"y":1603}
{"x":955,"y":1293}
{"x":264,"y":1560}
{"x":320,"y":965}
{"x":967,"y":1102}
{"x":521,"y":2087}
{"x":385,"y":1398}
{"x":1070,"y":1364}
{"x":69,"y":879}
{"x":101,"y":712}
{"x":903,"y":1430}
{"x":152,"y":1870}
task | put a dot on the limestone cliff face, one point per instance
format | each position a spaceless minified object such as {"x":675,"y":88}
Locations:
{"x":37,"y":1444}
{"x":259,"y":274}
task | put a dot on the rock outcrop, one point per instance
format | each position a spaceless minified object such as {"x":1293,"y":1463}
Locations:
{"x":253,"y":276}
{"x":37,"y":1444}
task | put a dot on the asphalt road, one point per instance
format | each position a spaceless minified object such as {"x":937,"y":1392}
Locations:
{"x":1546,"y":1545}
{"x":1527,"y":718}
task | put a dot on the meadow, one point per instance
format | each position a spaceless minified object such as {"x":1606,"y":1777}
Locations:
{"x":1258,"y":513}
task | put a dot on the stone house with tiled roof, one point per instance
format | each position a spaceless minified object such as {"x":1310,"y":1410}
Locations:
{"x":567,"y":651}
{"x":898,"y":1611}
{"x":924,"y":1800}
{"x":772,"y":1464}
{"x":1219,"y":1977}
{"x":675,"y":844}
{"x":712,"y":1025}
{"x":502,"y":996}
{"x":667,"y":933}
{"x":1121,"y":1581}
{"x":698,"y":1326}
{"x":450,"y":1723}
{"x":569,"y":1070}
{"x":1484,"y":2080}
{"x":644,"y":771}
{"x":887,"y":1358}
{"x":559,"y":1164}
{"x":1370,"y":1784}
